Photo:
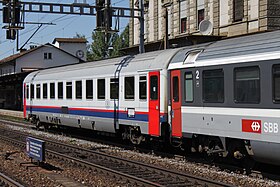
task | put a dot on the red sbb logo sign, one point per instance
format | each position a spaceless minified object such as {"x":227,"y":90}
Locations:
{"x":254,"y":126}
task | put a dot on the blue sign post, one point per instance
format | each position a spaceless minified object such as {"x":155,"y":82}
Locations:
{"x":35,"y":149}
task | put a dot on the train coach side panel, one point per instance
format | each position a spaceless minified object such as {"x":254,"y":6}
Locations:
{"x":242,"y":123}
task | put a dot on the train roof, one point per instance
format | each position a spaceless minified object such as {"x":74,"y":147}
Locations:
{"x":245,"y":45}
{"x":145,"y":62}
{"x":253,"y":47}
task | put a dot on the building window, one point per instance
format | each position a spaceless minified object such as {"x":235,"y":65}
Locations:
{"x":213,"y":86}
{"x":129,"y":87}
{"x":276,"y":83}
{"x":52,"y":91}
{"x":183,"y":15}
{"x":68,"y":90}
{"x":247,"y":85}
{"x":143,"y":87}
{"x":101,"y":88}
{"x":47,"y":56}
{"x":45,"y":95}
{"x":238,"y":10}
{"x":189,"y":87}
{"x":79,"y":90}
{"x":32,"y":91}
{"x":89,"y":89}
{"x":183,"y":25}
{"x":200,"y":11}
{"x":114,"y":88}
{"x":60,"y":90}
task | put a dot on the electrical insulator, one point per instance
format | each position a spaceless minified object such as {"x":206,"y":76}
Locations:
{"x":16,"y":15}
{"x":11,"y":34}
{"x":5,"y":2}
{"x":6,"y":15}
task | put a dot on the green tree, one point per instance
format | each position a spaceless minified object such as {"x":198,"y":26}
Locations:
{"x":107,"y":46}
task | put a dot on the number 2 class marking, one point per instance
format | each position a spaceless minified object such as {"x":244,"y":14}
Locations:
{"x":197,"y":74}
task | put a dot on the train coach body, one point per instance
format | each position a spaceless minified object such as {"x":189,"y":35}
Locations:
{"x":220,"y":98}
{"x":102,"y":95}
{"x":231,"y":91}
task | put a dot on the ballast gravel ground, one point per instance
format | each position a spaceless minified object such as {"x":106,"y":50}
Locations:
{"x":89,"y":178}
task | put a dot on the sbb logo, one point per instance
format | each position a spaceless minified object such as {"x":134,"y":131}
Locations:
{"x":254,"y":126}
{"x":271,"y":127}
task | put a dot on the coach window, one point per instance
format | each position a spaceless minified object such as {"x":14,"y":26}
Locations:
{"x":38,"y":91}
{"x":114,"y":88}
{"x":79,"y":90}
{"x":45,"y":95}
{"x":213,"y":86}
{"x":247,"y":85}
{"x":89,"y":89}
{"x":143,"y":87}
{"x":154,"y":88}
{"x":32,"y":91}
{"x":175,"y":87}
{"x":101,"y":89}
{"x":52,"y":91}
{"x":68,"y":90}
{"x":189,"y":87}
{"x":60,"y":90}
{"x":129,"y":87}
{"x":276,"y":83}
{"x":27,"y":91}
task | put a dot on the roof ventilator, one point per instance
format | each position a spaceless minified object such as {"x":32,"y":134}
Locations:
{"x":192,"y":55}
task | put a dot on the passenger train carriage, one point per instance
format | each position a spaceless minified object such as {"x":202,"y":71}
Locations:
{"x":221,"y":98}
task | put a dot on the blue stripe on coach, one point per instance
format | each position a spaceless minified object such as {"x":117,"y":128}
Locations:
{"x":81,"y":112}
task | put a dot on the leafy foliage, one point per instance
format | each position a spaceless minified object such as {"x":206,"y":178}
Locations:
{"x":107,"y":46}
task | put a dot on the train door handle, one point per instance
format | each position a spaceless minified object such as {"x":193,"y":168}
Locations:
{"x":156,"y":107}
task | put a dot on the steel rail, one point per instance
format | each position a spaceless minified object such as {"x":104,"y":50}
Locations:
{"x":8,"y":182}
{"x":136,"y":172}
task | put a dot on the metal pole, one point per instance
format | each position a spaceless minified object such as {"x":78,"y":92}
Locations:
{"x":141,"y":20}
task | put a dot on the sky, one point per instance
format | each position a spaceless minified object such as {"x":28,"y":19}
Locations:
{"x":66,"y":26}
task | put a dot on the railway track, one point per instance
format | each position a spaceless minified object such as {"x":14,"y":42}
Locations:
{"x":135,"y":173}
{"x":8,"y":182}
{"x":259,"y":173}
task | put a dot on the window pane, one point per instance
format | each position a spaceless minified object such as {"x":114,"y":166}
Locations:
{"x":78,"y":89}
{"x":32,"y":91}
{"x":27,"y":91}
{"x":276,"y":83}
{"x":238,"y":10}
{"x":129,"y":87}
{"x":188,"y":87}
{"x":143,"y":87}
{"x":68,"y":90}
{"x":154,"y":88}
{"x":60,"y":90}
{"x":89,"y":89}
{"x":247,"y":85}
{"x":45,"y":93}
{"x":175,"y":84}
{"x":213,"y":86}
{"x":114,"y":88}
{"x":101,"y":88}
{"x":38,"y":91}
{"x":52,"y":91}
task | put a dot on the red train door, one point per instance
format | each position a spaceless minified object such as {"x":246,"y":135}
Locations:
{"x":24,"y":99}
{"x":176,"y":99}
{"x":154,"y":101}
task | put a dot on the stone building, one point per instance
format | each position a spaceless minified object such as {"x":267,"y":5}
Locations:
{"x":181,"y":19}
